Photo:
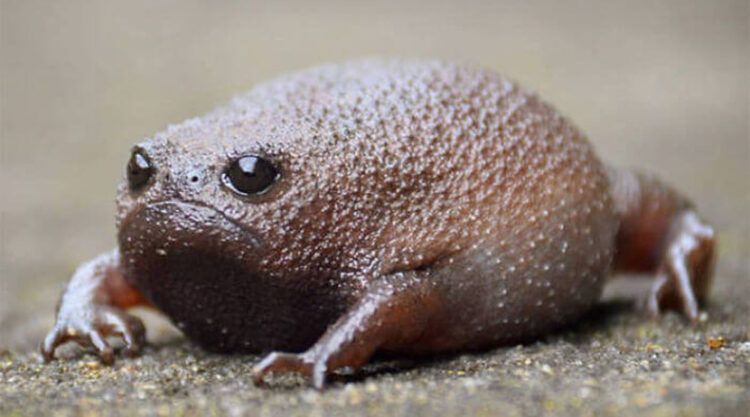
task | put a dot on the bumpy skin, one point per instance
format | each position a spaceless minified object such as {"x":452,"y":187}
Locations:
{"x":422,"y":207}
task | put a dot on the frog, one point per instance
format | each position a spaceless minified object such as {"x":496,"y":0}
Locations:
{"x":398,"y":207}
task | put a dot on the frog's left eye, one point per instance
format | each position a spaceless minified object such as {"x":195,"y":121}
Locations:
{"x":250,"y":175}
{"x":139,"y":170}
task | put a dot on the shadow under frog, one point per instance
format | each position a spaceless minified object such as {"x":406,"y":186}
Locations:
{"x":398,"y":207}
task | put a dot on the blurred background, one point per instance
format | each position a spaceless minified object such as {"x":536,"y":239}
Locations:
{"x":657,"y":85}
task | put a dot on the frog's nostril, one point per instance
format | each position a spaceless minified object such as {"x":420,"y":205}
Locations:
{"x":194,"y":177}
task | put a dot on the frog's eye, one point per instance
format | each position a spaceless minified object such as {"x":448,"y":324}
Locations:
{"x":250,"y":175}
{"x":139,"y":170}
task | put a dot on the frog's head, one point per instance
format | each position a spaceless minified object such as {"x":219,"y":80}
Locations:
{"x":227,"y":227}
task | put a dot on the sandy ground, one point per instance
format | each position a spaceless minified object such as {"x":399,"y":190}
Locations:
{"x":661,"y":86}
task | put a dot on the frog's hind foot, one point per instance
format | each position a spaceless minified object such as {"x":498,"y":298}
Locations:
{"x":662,"y":234}
{"x":684,"y":277}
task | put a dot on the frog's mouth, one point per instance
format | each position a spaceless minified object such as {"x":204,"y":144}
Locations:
{"x":204,"y":272}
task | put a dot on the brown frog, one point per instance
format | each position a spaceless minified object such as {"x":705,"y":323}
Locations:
{"x":399,"y":207}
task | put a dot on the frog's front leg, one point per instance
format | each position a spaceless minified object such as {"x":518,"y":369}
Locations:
{"x":661,"y":233}
{"x":392,"y":314}
{"x":92,"y":308}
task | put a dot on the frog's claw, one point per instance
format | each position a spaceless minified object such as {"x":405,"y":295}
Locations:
{"x":90,"y":326}
{"x":92,"y":308}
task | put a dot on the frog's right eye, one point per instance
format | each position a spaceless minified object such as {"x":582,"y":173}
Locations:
{"x":250,"y":175}
{"x":139,"y":170}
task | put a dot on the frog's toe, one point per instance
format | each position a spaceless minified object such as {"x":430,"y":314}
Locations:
{"x":281,"y":363}
{"x":54,"y":338}
{"x":130,"y":328}
{"x":103,"y":349}
{"x":664,"y":296}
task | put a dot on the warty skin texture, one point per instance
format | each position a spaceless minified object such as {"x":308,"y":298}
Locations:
{"x":421,"y":207}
